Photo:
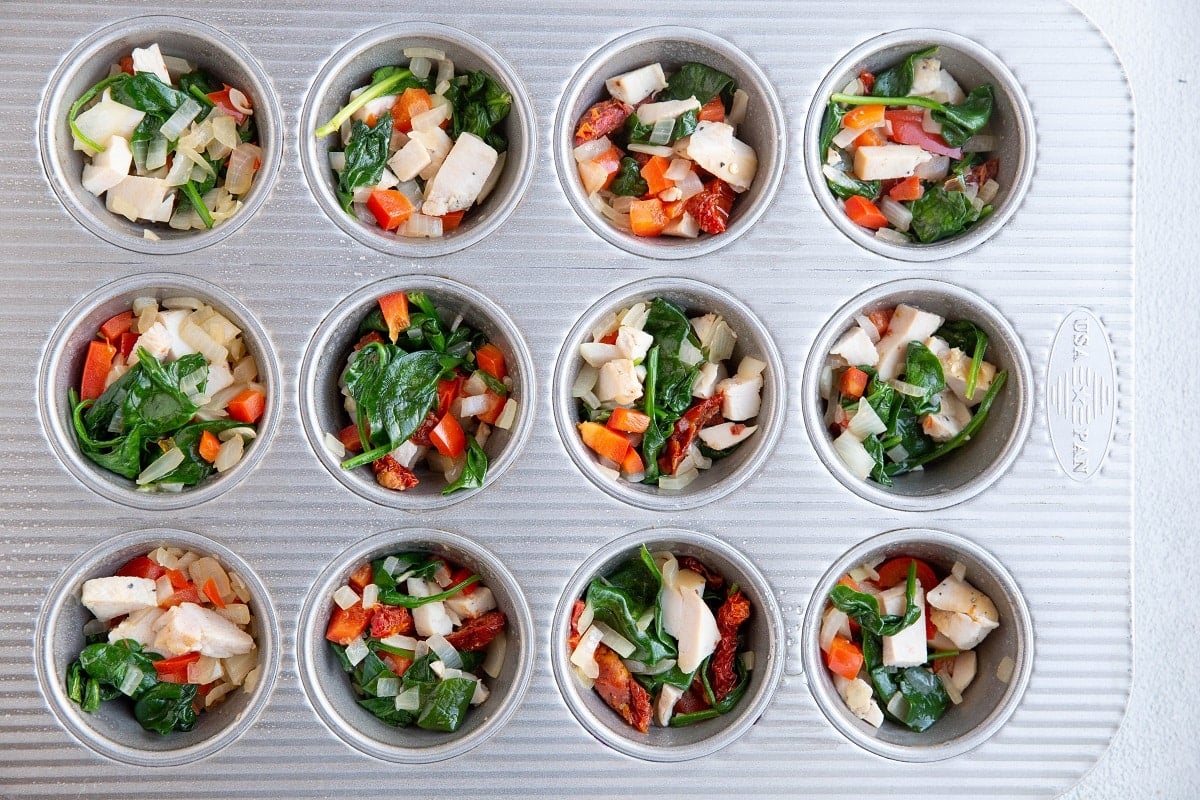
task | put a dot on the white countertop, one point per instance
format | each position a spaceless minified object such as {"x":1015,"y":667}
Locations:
{"x":1155,"y":754}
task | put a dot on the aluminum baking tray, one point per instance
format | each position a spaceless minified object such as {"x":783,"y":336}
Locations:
{"x":1058,"y":518}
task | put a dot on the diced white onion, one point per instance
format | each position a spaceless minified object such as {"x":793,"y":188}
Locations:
{"x":854,"y":455}
{"x":651,"y":149}
{"x":93,"y":627}
{"x":402,"y":642}
{"x":421,"y":226}
{"x":243,"y":162}
{"x":420,"y":67}
{"x":979,"y":143}
{"x":493,"y":662}
{"x":590,"y":150}
{"x":661,"y":132}
{"x":445,"y":73}
{"x":409,"y":699}
{"x":834,"y":622}
{"x":865,"y":421}
{"x":473,"y":405}
{"x":677,"y":482}
{"x":584,"y":655}
{"x":737,"y":108}
{"x":131,"y":681}
{"x":334,"y":445}
{"x":892,"y":236}
{"x":445,"y":651}
{"x":896,"y":213}
{"x":389,"y":565}
{"x":959,"y":570}
{"x":356,"y":651}
{"x":748,"y":660}
{"x":239,"y":100}
{"x":1004,"y":670}
{"x":387,"y":687}
{"x":180,"y":171}
{"x":679,"y":168}
{"x":370,"y":596}
{"x":622,"y":646}
{"x":178,"y":122}
{"x":639,"y":668}
{"x":585,"y":381}
{"x":492,"y":179}
{"x":906,"y":389}
{"x":689,"y":186}
{"x":948,"y":684}
{"x":182,"y":302}
{"x":868,"y":327}
{"x":431,"y":53}
{"x":898,"y":706}
{"x":898,"y":453}
{"x":643,"y":622}
{"x":229,"y":454}
{"x":585,"y":682}
{"x":161,"y":466}
{"x":345,"y":597}
{"x":337,"y":161}
{"x":156,"y":153}
{"x":988,"y":192}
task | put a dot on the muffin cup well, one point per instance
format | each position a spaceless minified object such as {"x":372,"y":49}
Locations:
{"x":351,"y":67}
{"x":967,"y":471}
{"x":208,"y":48}
{"x":972,"y":65}
{"x":764,"y":129}
{"x":988,"y":702}
{"x":328,"y":686}
{"x":764,"y":635}
{"x":62,"y":364}
{"x":321,"y":401}
{"x":112,"y":731}
{"x":725,"y":475}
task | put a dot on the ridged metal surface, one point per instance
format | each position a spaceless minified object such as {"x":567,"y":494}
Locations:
{"x":1068,"y":544}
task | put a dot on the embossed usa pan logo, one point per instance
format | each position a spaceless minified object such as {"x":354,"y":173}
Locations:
{"x":1081,"y":404}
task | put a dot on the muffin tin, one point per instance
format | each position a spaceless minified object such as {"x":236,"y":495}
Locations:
{"x":1066,"y":542}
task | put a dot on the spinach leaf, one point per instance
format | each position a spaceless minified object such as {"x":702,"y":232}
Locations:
{"x":962,"y":121}
{"x":343,"y":659}
{"x":629,"y":181}
{"x":167,"y":707}
{"x":145,"y":92}
{"x":669,"y":325}
{"x":926,"y":696}
{"x":863,"y":608}
{"x":76,"y":680}
{"x":369,"y":671}
{"x":194,"y":468}
{"x":622,"y":597}
{"x":940,"y":213}
{"x":373,"y":323}
{"x":922,"y":369}
{"x":394,"y":597}
{"x":908,"y":433}
{"x":661,"y":424}
{"x":730,"y":700}
{"x":385,"y":709}
{"x":874,"y":446}
{"x":846,"y":186}
{"x":970,"y":338}
{"x":830,"y":127}
{"x":192,"y":192}
{"x":447,"y":707}
{"x":366,"y":156}
{"x":672,"y":677}
{"x":474,"y":470}
{"x":896,"y":81}
{"x":110,"y":663}
{"x":700,"y":81}
{"x":883,"y":678}
{"x":685,"y":124}
{"x":639,"y":132}
{"x":199,"y":84}
{"x":479,"y":104}
{"x":962,"y":437}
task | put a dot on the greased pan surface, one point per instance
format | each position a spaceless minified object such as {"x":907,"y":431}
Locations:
{"x":1059,"y":518}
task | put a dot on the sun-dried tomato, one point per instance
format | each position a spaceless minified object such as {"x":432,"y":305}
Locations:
{"x":477,"y":634}
{"x":421,"y":435}
{"x":397,"y":664}
{"x":601,"y":120}
{"x":686,"y":428}
{"x":713,"y":580}
{"x":573,"y":639}
{"x":732,"y":614}
{"x":391,"y":474}
{"x":868,"y":81}
{"x":711,"y":207}
{"x":390,"y":621}
{"x":370,"y":338}
{"x":982,"y":173}
{"x":616,"y":686}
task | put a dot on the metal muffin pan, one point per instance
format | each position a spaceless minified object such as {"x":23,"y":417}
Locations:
{"x":1065,"y":542}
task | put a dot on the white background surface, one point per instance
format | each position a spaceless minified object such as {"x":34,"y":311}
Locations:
{"x":1155,"y":754}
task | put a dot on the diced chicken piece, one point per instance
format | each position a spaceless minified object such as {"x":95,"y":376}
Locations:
{"x":437,"y":143}
{"x":634,"y":87}
{"x":715,"y":336}
{"x":408,"y":454}
{"x":664,"y":708}
{"x":150,"y":59}
{"x":481,"y":693}
{"x":856,"y":347}
{"x":961,"y":669}
{"x":962,"y":612}
{"x":475,"y":604}
{"x":373,"y":109}
{"x":751,"y":366}
{"x":690,"y":354}
{"x":956,"y":365}
{"x":633,"y":343}
{"x":965,"y":632}
{"x":705,"y":385}
{"x":650,"y":113}
{"x":930,"y":80}
{"x":859,"y":699}
{"x":409,"y":160}
{"x":156,"y":340}
{"x":684,"y":226}
{"x":907,"y":648}
{"x":173,"y":321}
{"x":618,"y":382}
{"x":935,"y":169}
{"x":430,"y":618}
{"x":948,"y":421}
{"x":137,"y":198}
{"x":461,"y":177}
{"x":111,"y":597}
{"x":109,"y":167}
{"x":189,"y":628}
{"x":887,"y":161}
{"x":686,"y":617}
{"x":106,"y":119}
{"x":219,"y":377}
{"x":597,"y":354}
{"x":909,"y":324}
{"x":726,"y":435}
{"x":741,"y":401}
{"x":714,"y":147}
{"x":138,"y":626}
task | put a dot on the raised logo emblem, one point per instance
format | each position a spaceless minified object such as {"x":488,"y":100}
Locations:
{"x":1081,"y":407}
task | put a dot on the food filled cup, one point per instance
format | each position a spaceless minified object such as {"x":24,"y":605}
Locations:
{"x":417,"y":392}
{"x":452,"y":161}
{"x":160,"y":134}
{"x":920,"y":144}
{"x":645,"y":118}
{"x":677,"y":689}
{"x":939,"y":686}
{"x":159,"y":391}
{"x":146,"y":628}
{"x":917,"y":395}
{"x":436,"y":670}
{"x":669,"y":394}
